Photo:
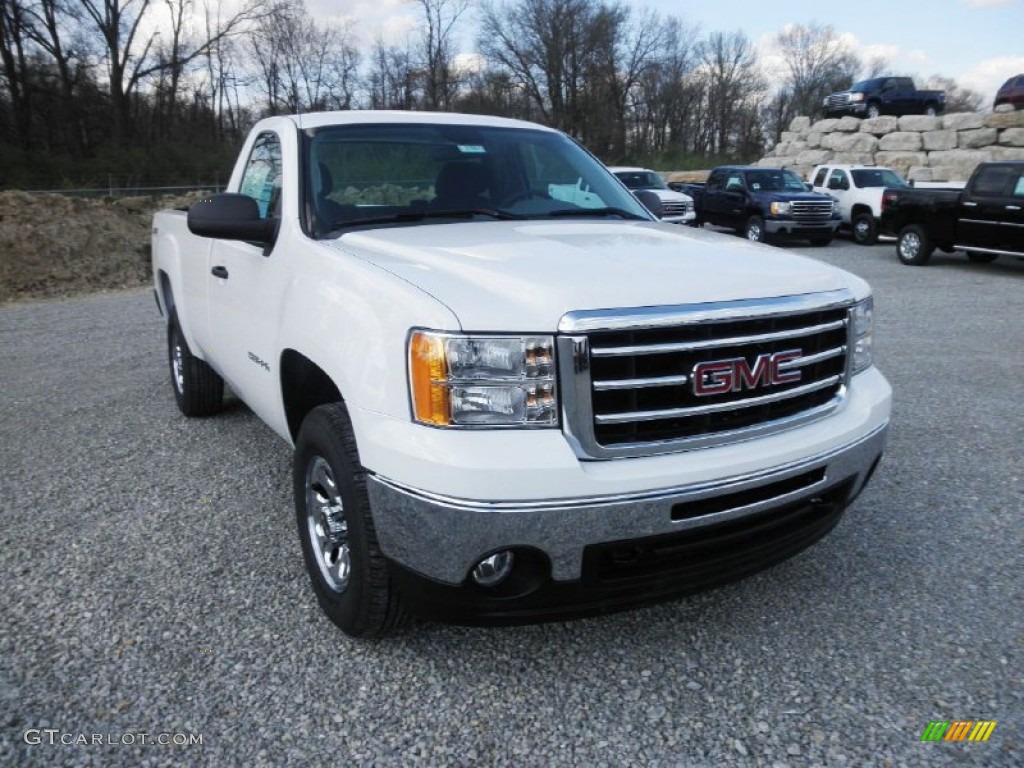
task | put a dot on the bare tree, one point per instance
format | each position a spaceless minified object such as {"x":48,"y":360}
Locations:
{"x":303,"y":65}
{"x":546,"y":46}
{"x":14,"y":24}
{"x":818,"y":62}
{"x":958,"y":98}
{"x":437,"y":50}
{"x":733,"y":88}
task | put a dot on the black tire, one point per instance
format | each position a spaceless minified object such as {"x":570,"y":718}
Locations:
{"x":864,"y":229}
{"x":349,"y":574}
{"x":931,"y":110}
{"x":873,"y":110}
{"x":913,"y":247}
{"x":982,"y":258}
{"x":820,"y":242}
{"x":198,"y":389}
{"x":753,"y":230}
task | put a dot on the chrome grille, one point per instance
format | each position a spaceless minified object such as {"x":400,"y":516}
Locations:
{"x":635,"y":385}
{"x":673,"y":208}
{"x":812,"y":210}
{"x":838,"y":100}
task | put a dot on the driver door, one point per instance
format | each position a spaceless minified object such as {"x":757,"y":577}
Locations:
{"x":246,"y":289}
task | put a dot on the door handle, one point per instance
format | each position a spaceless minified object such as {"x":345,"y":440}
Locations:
{"x":219,"y":271}
{"x":1013,"y":207}
{"x":969,"y":204}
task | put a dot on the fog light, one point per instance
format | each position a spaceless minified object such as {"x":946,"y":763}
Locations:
{"x":493,"y":570}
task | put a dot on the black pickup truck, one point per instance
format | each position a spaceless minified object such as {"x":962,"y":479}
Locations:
{"x":761,"y":202}
{"x":884,"y":96}
{"x":985,"y":219}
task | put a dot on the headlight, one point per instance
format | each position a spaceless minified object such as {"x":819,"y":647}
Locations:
{"x":482,"y":381}
{"x":835,"y":205}
{"x":824,"y":102}
{"x":780,"y":209}
{"x":862,"y":324}
{"x":857,"y":96}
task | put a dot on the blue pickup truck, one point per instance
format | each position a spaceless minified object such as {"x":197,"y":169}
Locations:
{"x":884,"y":96}
{"x":761,"y":203}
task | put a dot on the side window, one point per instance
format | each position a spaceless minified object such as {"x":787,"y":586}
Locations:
{"x":734,"y":184}
{"x":1018,"y":189}
{"x":992,"y":181}
{"x":838,"y":180}
{"x":819,"y":178}
{"x":262,"y":178}
{"x":715,"y":180}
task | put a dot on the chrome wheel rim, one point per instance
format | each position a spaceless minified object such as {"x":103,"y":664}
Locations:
{"x":178,"y":364}
{"x":910,"y":245}
{"x":873,"y":112}
{"x":861,"y":230}
{"x":754,"y":233}
{"x":326,"y":525}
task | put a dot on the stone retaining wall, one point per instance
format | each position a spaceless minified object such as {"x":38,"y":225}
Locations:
{"x":944,"y":148}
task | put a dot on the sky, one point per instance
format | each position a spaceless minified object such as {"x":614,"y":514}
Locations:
{"x":979,"y":43}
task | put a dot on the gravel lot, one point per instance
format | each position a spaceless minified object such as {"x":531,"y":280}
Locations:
{"x":152,"y":582}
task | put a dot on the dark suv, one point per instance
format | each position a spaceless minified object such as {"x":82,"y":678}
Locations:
{"x":762,"y":202}
{"x":1012,"y":92}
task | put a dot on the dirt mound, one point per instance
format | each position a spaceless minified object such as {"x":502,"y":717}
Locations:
{"x":53,"y":245}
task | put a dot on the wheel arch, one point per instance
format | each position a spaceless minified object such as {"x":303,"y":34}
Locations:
{"x":859,"y":208}
{"x":304,"y":386}
{"x":166,"y":294}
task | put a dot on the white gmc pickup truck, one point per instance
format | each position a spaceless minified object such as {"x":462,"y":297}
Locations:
{"x":504,"y":406}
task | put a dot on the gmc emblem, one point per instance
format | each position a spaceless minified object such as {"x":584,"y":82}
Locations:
{"x":717,"y":377}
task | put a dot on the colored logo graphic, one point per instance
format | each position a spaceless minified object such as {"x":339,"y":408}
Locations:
{"x":958,"y":730}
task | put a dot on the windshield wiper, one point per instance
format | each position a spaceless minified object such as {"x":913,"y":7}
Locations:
{"x":597,"y":212}
{"x":420,"y":215}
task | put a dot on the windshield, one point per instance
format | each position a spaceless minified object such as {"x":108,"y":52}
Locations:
{"x":774,"y":181}
{"x":867,"y":85}
{"x":877,"y":177}
{"x":641,"y":179}
{"x":416,"y":173}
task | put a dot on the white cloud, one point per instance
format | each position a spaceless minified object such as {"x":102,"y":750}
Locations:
{"x":887,"y":51}
{"x":986,"y":76}
{"x":987,"y":3}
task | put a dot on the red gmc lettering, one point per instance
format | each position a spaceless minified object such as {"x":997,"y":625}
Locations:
{"x":761,"y":376}
{"x":717,"y":377}
{"x":788,"y":376}
{"x":712,"y":378}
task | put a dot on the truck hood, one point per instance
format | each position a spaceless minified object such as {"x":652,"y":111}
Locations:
{"x":671,"y":196}
{"x":523,"y":276}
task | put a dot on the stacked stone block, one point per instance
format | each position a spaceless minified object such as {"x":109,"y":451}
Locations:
{"x":944,"y":148}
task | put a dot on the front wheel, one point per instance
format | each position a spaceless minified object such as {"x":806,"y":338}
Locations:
{"x":349,"y":574}
{"x":873,"y":110}
{"x":754,"y":229}
{"x":931,"y":111}
{"x":913,"y":246}
{"x":865,"y":230}
{"x":982,"y":258}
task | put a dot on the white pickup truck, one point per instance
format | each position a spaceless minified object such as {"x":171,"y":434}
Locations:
{"x":858,"y":188}
{"x":506,"y":407}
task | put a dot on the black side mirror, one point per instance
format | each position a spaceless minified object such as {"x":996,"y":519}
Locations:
{"x":650,"y":201}
{"x":231,"y":216}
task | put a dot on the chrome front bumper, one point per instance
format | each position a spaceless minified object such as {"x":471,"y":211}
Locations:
{"x":442,"y":538}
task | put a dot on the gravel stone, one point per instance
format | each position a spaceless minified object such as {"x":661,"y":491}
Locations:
{"x":130,"y":606}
